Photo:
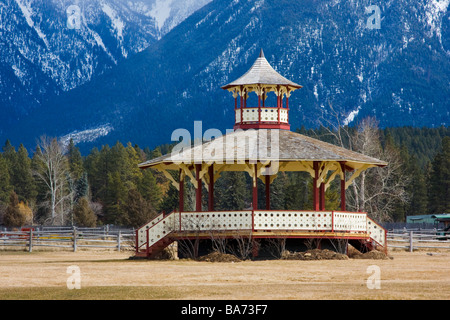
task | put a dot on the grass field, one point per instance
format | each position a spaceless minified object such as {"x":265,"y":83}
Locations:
{"x":111,"y":275}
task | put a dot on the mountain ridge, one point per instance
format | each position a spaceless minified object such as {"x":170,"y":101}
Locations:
{"x":398,"y":73}
{"x":49,"y":47}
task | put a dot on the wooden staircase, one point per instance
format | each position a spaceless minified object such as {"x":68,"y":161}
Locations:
{"x":154,"y":237}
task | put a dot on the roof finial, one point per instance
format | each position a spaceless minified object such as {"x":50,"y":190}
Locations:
{"x":261,"y":54}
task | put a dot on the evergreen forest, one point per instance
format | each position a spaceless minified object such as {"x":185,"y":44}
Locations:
{"x":57,"y":185}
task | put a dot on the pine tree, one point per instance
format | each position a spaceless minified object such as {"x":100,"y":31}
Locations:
{"x":297,"y":191}
{"x":24,"y":183}
{"x":84,"y":216}
{"x":116,"y":195}
{"x":13,"y":216}
{"x":137,"y":211}
{"x":332,"y":196}
{"x":93,"y":167}
{"x":10,"y":155}
{"x":231,"y":192}
{"x":5,"y":186}
{"x":417,"y":189}
{"x":75,"y":160}
{"x":149,"y":189}
{"x":82,"y":187}
{"x":170,"y":201}
{"x":439,"y":192}
{"x":277,"y":192}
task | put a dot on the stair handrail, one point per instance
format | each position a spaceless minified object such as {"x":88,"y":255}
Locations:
{"x":164,"y":215}
{"x":385,"y":234}
{"x":155,"y":225}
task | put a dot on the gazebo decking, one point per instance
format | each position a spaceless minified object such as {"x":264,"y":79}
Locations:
{"x":258,"y":224}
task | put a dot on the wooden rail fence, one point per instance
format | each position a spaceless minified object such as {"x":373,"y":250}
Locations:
{"x":70,"y":239}
{"x":421,"y":239}
{"x":75,"y":239}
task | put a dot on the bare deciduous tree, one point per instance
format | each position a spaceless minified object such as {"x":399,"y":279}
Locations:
{"x":53,"y":173}
{"x":377,"y":190}
{"x":276,"y":247}
{"x":244,"y":245}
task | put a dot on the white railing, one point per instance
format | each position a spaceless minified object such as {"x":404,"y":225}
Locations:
{"x":293,"y":220}
{"x":267,"y":115}
{"x":160,"y":229}
{"x":141,"y":233}
{"x":215,"y":221}
{"x":377,"y":232}
{"x":260,"y":220}
{"x":347,"y":221}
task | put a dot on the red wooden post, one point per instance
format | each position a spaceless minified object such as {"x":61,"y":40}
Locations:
{"x":259,"y":108}
{"x":267,"y":192}
{"x":255,"y":189}
{"x":280,"y":103}
{"x":264,"y":99}
{"x":242,"y":106}
{"x":315,"y":189}
{"x":287,"y":109}
{"x":181,"y":193}
{"x":137,"y":240}
{"x":322,"y":196}
{"x":147,"y":247}
{"x":343,"y":205}
{"x":198,"y":193}
{"x":211,"y":188}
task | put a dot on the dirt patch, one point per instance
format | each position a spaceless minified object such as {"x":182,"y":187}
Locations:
{"x":374,"y":254}
{"x":315,"y":254}
{"x":216,"y":256}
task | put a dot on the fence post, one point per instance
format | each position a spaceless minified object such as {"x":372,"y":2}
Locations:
{"x":118,"y":241}
{"x":30,"y":244}
{"x":411,"y":241}
{"x":74,"y":239}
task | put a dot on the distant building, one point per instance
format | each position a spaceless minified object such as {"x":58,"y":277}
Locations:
{"x":430,"y":219}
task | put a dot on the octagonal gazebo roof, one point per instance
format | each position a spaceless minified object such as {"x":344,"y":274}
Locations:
{"x":261,"y":73}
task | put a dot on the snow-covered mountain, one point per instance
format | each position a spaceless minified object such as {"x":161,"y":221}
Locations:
{"x":52,"y":46}
{"x":389,"y":59}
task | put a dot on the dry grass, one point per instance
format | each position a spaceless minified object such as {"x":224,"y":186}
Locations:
{"x":111,"y":275}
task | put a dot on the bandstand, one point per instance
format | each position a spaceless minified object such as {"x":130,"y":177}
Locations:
{"x":262,"y":145}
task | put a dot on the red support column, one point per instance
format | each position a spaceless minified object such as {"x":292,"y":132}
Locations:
{"x":315,"y":189}
{"x":343,"y":205}
{"x":287,"y":108}
{"x":198,"y":193}
{"x":267,"y":178}
{"x":211,"y":188}
{"x":259,"y":108}
{"x":255,"y":189}
{"x":181,"y":193}
{"x":242,"y":105}
{"x":322,"y":197}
